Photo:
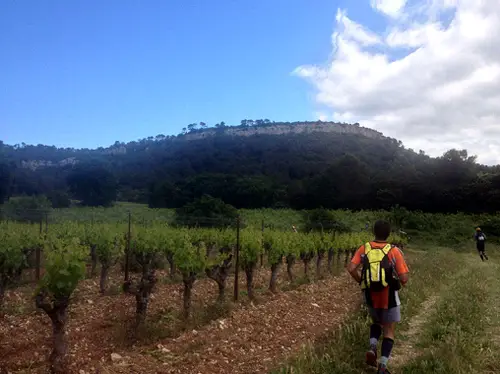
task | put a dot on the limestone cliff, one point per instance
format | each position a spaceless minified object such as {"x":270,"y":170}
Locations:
{"x":269,"y":128}
{"x":286,"y":128}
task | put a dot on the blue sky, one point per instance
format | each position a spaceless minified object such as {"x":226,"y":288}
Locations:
{"x":85,"y":73}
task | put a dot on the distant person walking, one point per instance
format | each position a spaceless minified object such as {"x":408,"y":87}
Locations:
{"x":383,"y":271}
{"x":480,"y":239}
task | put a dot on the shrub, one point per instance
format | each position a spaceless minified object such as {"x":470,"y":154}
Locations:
{"x":323,"y":219}
{"x":59,"y":199}
{"x":206,"y":211}
{"x":27,"y":208}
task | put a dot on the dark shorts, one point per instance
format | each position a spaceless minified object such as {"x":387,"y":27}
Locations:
{"x":480,"y":247}
{"x":385,"y":315}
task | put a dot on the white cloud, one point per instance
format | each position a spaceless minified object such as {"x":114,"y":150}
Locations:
{"x":433,"y":84}
{"x":391,"y":8}
{"x":322,"y":116}
{"x":414,"y":36}
{"x":354,"y":31}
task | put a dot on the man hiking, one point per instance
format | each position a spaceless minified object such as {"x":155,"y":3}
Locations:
{"x":383,"y":271}
{"x":480,"y":239}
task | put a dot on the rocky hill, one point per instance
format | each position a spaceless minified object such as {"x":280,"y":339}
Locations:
{"x":287,"y":128}
{"x":264,"y":164}
{"x":40,"y":156}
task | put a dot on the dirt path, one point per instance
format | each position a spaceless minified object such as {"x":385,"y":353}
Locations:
{"x":404,"y":349}
{"x":254,"y":339}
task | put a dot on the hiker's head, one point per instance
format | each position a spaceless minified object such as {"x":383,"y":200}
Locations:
{"x":382,"y":230}
{"x":478,"y":229}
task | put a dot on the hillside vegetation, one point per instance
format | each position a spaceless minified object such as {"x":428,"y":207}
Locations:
{"x":260,"y":164}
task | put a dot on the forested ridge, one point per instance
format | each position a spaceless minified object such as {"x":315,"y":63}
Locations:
{"x":346,"y":169}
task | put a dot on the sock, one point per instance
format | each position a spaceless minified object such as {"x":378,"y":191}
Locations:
{"x":375,"y":332}
{"x":387,"y":344}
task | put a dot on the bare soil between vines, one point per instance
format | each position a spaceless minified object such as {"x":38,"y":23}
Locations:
{"x":248,"y":338}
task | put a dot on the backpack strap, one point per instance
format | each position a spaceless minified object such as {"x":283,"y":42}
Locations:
{"x":387,"y":249}
{"x":366,"y":267}
{"x":368,"y":248}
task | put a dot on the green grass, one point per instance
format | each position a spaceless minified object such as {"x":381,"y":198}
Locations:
{"x":459,"y":335}
{"x":142,"y":214}
{"x":446,"y":230}
{"x":118,"y":213}
{"x":458,"y":280}
{"x":452,"y":230}
{"x":281,"y":219}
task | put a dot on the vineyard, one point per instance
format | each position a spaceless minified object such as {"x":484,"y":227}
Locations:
{"x":60,"y":256}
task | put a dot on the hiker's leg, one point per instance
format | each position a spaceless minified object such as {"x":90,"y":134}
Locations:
{"x":391,"y":317}
{"x":388,"y":342}
{"x":375,"y":332}
{"x":389,"y":329}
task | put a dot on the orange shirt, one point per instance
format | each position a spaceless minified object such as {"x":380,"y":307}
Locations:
{"x":382,"y":298}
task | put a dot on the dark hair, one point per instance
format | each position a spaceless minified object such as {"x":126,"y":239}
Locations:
{"x":382,"y":229}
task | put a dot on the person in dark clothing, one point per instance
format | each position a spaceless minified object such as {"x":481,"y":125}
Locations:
{"x":480,"y":239}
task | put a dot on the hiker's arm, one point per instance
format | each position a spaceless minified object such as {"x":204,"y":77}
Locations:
{"x":352,"y":268}
{"x":355,"y":264}
{"x":401,"y":266}
{"x":403,"y":278}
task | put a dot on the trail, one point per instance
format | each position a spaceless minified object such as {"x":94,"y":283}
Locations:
{"x":405,"y":347}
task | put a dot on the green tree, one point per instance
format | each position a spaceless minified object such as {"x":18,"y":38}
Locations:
{"x":146,"y":248}
{"x":109,"y":244}
{"x":59,"y":199}
{"x":192,"y":126}
{"x":334,"y":188}
{"x":190,"y":259}
{"x":27,"y":208}
{"x":12,"y":258}
{"x":398,"y":217}
{"x":206,"y":212}
{"x":322,"y":219}
{"x":276,"y":245}
{"x":5,"y":182}
{"x":93,"y":185}
{"x":64,"y":268}
{"x":251,"y":249}
{"x":219,"y":256}
{"x":307,"y":251}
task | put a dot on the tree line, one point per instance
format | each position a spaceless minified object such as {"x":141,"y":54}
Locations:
{"x":300,"y":171}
